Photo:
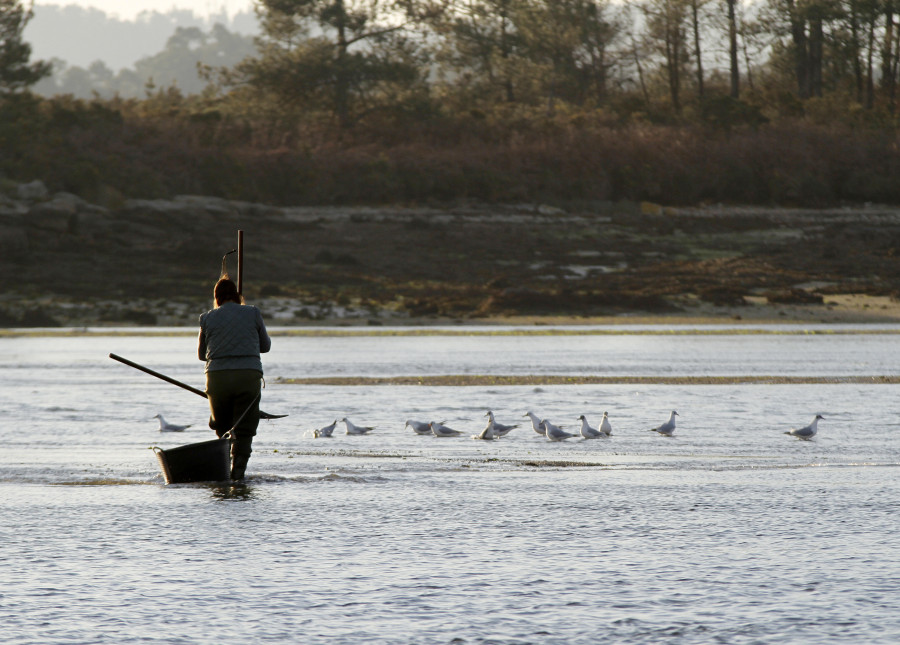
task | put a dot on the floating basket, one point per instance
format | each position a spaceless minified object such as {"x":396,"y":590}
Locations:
{"x":207,"y":461}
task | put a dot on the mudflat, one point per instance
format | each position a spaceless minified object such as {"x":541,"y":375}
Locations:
{"x":154,"y":263}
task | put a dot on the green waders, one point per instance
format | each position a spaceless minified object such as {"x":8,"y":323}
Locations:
{"x":230,"y":393}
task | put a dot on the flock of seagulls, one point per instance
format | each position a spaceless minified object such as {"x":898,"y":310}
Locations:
{"x":543,"y":427}
{"x":495,"y":430}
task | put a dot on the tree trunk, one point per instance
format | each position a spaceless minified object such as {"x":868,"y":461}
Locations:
{"x":598,"y":72}
{"x":887,"y":50}
{"x":816,"y":38}
{"x":747,"y":65}
{"x":733,"y":50}
{"x":695,"y":14}
{"x":673,"y":49}
{"x":870,"y":54}
{"x":856,"y":50}
{"x":801,"y":56}
{"x":893,"y":93}
{"x":342,"y":82}
{"x":640,"y":70}
{"x":505,"y":53}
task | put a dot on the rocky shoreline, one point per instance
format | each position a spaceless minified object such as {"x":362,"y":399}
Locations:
{"x":137,"y":262}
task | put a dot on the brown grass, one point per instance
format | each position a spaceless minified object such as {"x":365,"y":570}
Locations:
{"x":83,"y":147}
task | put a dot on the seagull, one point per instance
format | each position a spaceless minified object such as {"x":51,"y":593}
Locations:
{"x":326,"y":431}
{"x":419,"y":427}
{"x":535,"y":423}
{"x":555,"y":433}
{"x":668,"y":428}
{"x":605,"y":428}
{"x":806,"y":432}
{"x":165,"y":426}
{"x":587,"y":431}
{"x":353,"y":429}
{"x":440,"y":430}
{"x":500,"y":429}
{"x":490,"y":430}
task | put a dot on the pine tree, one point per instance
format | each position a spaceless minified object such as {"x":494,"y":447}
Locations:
{"x":348,"y":57}
{"x":16,"y":73}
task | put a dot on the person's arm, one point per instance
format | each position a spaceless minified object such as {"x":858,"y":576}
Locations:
{"x":201,"y":343}
{"x":265,"y":343}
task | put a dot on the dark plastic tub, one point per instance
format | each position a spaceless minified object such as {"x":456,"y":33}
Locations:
{"x":207,"y":461}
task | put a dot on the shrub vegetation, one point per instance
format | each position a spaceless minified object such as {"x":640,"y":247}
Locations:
{"x":559,"y":102}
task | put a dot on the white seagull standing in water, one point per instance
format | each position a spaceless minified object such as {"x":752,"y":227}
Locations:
{"x":806,"y":432}
{"x":354,"y":429}
{"x":326,"y":431}
{"x":488,"y":433}
{"x":605,"y":427}
{"x":668,"y":428}
{"x":555,"y":433}
{"x":536,"y":423}
{"x":500,"y":429}
{"x":165,"y":426}
{"x":587,"y":431}
{"x":440,"y":430}
{"x":419,"y":427}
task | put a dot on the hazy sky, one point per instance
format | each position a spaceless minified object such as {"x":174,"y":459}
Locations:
{"x":128,"y":9}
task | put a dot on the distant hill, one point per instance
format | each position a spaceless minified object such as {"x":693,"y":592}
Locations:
{"x":80,"y":37}
{"x":96,"y":54}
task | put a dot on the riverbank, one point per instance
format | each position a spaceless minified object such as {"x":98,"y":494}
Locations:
{"x":153,"y":263}
{"x":845,"y":309}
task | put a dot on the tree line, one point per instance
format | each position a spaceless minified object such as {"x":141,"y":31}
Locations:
{"x":93,"y":53}
{"x":664,"y":59}
{"x":173,"y":67}
{"x":676,"y":101}
{"x":661,"y":59}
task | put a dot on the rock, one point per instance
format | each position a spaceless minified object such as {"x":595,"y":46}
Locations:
{"x":152,"y":206}
{"x":186,"y":214}
{"x":212,"y":205}
{"x":11,"y":207}
{"x":546,"y":209}
{"x":68,"y":202}
{"x":93,"y":220}
{"x":220,"y":206}
{"x":59,"y":216}
{"x":32,"y":191}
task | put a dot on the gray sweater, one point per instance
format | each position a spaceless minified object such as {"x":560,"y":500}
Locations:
{"x":232,"y":336}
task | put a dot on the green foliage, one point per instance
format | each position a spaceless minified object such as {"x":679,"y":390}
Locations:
{"x":353,"y":101}
{"x":16,"y":73}
{"x":360,"y":59}
{"x":169,"y":144}
{"x":725,"y":112}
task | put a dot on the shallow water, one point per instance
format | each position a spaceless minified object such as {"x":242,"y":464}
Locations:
{"x":728,"y":532}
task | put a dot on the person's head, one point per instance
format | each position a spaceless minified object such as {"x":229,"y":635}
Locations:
{"x":226,"y":291}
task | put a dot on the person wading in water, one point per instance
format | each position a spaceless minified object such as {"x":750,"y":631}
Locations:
{"x":232,"y":336}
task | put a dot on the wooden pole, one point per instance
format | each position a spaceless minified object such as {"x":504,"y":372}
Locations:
{"x":240,"y":271}
{"x":169,"y":379}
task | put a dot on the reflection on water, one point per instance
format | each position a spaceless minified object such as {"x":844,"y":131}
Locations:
{"x":728,"y":532}
{"x":239,"y":491}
